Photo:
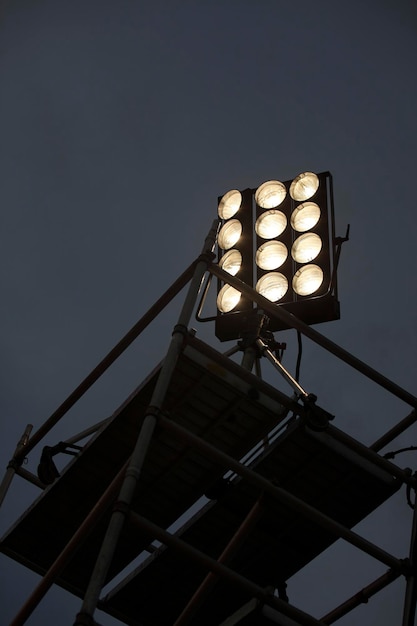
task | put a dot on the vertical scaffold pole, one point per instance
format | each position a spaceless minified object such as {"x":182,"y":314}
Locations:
{"x":122,"y":506}
{"x":13,"y":465}
{"x":411,"y":587}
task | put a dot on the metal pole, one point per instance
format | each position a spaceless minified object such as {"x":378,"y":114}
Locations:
{"x":13,"y":465}
{"x":88,"y":431}
{"x":395,"y":431}
{"x":361,"y":597}
{"x":411,"y":586}
{"x":108,"y":360}
{"x":293,"y":322}
{"x":67,"y":553}
{"x":369,"y":453}
{"x":303,"y":619}
{"x":239,"y":536}
{"x":284,"y":496}
{"x":281,"y":369}
{"x":249,"y":358}
{"x":261,"y":385}
{"x":133,"y":471}
{"x":31,"y":478}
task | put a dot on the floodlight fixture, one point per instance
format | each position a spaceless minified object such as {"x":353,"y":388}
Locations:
{"x":304,"y":186}
{"x":278,"y":239}
{"x":228,"y":298}
{"x":270,"y":224}
{"x":230,"y":204}
{"x":231,"y":262}
{"x":271,"y":255}
{"x":272,"y":286}
{"x":270,"y":194}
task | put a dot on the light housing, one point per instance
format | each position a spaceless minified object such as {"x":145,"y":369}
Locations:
{"x":287,"y":247}
{"x":235,"y":248}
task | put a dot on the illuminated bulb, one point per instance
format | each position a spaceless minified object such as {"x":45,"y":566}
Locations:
{"x":230,"y":203}
{"x":231,"y":262}
{"x":271,"y":255}
{"x":272,"y":286}
{"x":305,"y":216}
{"x":306,"y":248}
{"x":228,"y":298}
{"x":270,"y":224}
{"x":270,"y":194}
{"x":229,"y":234}
{"x":304,"y":186}
{"x":307,"y":280}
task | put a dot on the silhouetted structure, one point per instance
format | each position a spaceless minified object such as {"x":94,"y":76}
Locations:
{"x":282,"y":484}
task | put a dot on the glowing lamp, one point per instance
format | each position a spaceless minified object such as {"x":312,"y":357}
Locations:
{"x":230,"y":203}
{"x":228,"y":298}
{"x":229,"y":234}
{"x":305,"y":216}
{"x":270,"y":224}
{"x":272,"y":286}
{"x":306,"y":247}
{"x":270,"y":194}
{"x":271,"y":255}
{"x":231,"y":262}
{"x":304,"y":186}
{"x":307,"y":280}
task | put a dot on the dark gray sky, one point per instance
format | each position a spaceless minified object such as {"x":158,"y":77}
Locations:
{"x":121,"y":123}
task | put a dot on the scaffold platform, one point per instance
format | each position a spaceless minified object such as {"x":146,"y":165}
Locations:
{"x":315,"y":467}
{"x":220,"y":402}
{"x":210,"y":400}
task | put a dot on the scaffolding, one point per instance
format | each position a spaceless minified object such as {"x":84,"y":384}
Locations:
{"x":280,"y":485}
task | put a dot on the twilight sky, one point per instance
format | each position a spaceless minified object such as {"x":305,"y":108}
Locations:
{"x":121,"y":123}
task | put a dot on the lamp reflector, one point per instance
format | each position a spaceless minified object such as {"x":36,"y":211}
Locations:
{"x":271,"y":255}
{"x":231,"y":262}
{"x":270,"y":194}
{"x":272,"y":286}
{"x":305,"y":216}
{"x":307,"y":280}
{"x":304,"y":186}
{"x":227,"y":298}
{"x":230,"y":203}
{"x":270,"y":224}
{"x":229,"y":234}
{"x":306,"y":247}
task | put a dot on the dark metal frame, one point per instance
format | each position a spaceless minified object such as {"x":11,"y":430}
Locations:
{"x":124,"y":484}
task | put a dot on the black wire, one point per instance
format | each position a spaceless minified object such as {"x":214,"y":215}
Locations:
{"x":391,"y":455}
{"x":410,"y":504}
{"x":300,"y":353}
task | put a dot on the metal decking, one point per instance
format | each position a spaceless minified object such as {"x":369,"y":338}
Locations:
{"x":232,"y":410}
{"x":315,"y":467}
{"x":217,"y":403}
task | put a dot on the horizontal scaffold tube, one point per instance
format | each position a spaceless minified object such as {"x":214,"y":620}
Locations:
{"x":225,"y":572}
{"x":293,"y":322}
{"x":284,"y":496}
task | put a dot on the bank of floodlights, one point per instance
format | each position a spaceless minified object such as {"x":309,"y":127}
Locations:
{"x":278,"y":239}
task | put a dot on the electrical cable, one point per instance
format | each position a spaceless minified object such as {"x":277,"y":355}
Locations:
{"x":391,"y":455}
{"x":300,"y":353}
